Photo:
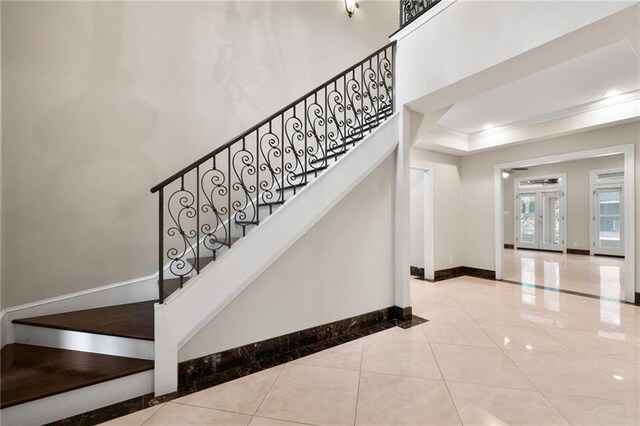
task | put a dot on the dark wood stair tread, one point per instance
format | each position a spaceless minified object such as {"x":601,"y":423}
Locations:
{"x":293,"y":186}
{"x":173,"y":284}
{"x":272,"y":203}
{"x":311,"y":170}
{"x":133,"y":320}
{"x":30,"y":372}
{"x":204,"y":261}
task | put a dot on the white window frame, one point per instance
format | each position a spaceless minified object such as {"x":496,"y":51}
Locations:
{"x":593,"y":229}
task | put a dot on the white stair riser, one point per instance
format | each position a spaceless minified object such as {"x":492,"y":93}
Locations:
{"x":67,"y":404}
{"x":85,"y":342}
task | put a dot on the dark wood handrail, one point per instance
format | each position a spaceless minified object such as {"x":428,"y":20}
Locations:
{"x":263,"y":122}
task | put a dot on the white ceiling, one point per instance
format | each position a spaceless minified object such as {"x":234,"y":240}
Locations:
{"x":577,"y":82}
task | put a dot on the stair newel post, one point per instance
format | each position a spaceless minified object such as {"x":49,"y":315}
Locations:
{"x":161,"y":246}
{"x":198,"y":219}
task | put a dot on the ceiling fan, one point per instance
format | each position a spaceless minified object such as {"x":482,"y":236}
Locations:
{"x":507,"y":172}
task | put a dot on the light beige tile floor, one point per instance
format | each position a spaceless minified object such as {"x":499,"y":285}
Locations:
{"x":597,"y":275}
{"x":519,"y":356}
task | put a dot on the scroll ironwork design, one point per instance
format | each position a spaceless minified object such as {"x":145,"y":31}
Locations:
{"x":411,"y":9}
{"x":205,"y":207}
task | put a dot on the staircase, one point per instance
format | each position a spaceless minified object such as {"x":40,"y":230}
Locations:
{"x":64,"y":364}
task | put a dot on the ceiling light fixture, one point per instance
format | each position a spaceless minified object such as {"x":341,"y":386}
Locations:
{"x":505,"y":174}
{"x":351,"y":6}
{"x":612,"y":93}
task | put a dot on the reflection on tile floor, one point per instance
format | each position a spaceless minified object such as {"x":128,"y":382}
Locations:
{"x":492,"y":353}
{"x":597,"y":275}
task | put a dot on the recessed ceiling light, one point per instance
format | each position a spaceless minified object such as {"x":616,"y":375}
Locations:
{"x":612,"y":93}
{"x":488,"y":126}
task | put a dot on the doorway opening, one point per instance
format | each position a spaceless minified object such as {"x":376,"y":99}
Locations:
{"x":540,"y":212}
{"x":561,"y":222}
{"x":421,"y":222}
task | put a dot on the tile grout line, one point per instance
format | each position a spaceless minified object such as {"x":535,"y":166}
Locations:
{"x":518,"y":367}
{"x":355,"y":417}
{"x":208,"y":408}
{"x":503,"y":351}
{"x":443,"y":379}
{"x":512,"y":362}
{"x":269,"y":390}
{"x":157,"y":411}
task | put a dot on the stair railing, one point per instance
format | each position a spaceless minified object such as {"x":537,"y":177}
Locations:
{"x":411,"y":9}
{"x":207,"y":205}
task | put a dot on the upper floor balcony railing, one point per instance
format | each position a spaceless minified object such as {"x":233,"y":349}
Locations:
{"x":411,"y":9}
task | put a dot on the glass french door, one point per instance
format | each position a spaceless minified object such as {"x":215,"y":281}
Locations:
{"x":539,"y":220}
{"x":608,"y":223}
{"x":527,"y":223}
{"x":551,"y":220}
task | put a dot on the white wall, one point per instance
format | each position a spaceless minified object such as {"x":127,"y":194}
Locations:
{"x":447,"y":201}
{"x":342,"y":267}
{"x":416,"y":226}
{"x":577,"y":196}
{"x":102,"y":100}
{"x":471,"y":36}
{"x":477,"y":230}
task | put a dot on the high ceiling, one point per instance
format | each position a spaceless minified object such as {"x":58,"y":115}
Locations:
{"x":572,"y":84}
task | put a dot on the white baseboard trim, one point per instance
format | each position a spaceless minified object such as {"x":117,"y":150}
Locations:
{"x":67,"y":404}
{"x":84,"y":342}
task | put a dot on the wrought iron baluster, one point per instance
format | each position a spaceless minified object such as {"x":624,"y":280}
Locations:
{"x":306,"y":137}
{"x":282,"y":136}
{"x":326,"y":127}
{"x":229,"y":190}
{"x":161,"y":248}
{"x":257,"y":205}
{"x":362,"y":96}
{"x":392,"y":76}
{"x":345,"y":96}
{"x":304,"y":150}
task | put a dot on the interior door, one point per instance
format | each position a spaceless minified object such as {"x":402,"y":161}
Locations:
{"x":608,"y":222}
{"x":551,"y":220}
{"x":526,"y":221}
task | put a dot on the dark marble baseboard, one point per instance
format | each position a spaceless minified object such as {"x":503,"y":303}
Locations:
{"x":508,"y":246}
{"x":212,"y":370}
{"x":416,"y":272}
{"x":637,"y":301}
{"x":280,"y":346}
{"x":479,"y":273}
{"x":609,"y":255}
{"x":578,"y":251}
{"x":446,"y":274}
{"x":542,"y":250}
